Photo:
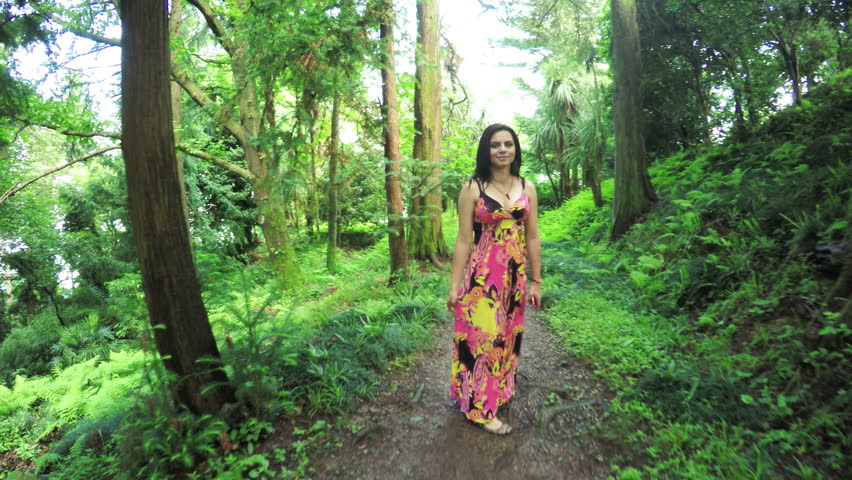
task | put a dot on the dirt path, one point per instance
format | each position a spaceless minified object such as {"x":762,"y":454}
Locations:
{"x":412,"y":430}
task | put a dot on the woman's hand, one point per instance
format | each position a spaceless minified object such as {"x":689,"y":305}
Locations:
{"x":452,"y":299}
{"x":534,"y":294}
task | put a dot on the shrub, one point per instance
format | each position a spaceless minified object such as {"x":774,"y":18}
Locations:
{"x":27,"y":350}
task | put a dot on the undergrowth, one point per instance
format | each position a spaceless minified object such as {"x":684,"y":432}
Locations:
{"x":711,"y":316}
{"x":89,"y":402}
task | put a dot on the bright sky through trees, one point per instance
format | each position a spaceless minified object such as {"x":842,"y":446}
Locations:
{"x":487,"y":69}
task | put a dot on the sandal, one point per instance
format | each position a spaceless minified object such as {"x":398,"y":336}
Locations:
{"x":503,"y":429}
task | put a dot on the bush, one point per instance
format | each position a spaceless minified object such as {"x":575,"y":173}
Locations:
{"x":27,"y":349}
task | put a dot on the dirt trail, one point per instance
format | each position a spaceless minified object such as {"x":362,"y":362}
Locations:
{"x":412,"y":430}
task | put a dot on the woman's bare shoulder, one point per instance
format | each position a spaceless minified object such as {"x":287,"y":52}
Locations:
{"x":529,"y":185}
{"x":469,"y":189}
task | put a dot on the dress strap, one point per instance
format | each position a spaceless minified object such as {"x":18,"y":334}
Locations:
{"x":478,"y":184}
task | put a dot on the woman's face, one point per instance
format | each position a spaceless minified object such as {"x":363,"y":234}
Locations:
{"x":502,"y":149}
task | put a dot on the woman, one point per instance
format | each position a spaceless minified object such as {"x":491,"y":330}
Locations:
{"x":498,"y":230}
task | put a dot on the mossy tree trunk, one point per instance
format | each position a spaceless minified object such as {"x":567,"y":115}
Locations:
{"x":426,"y":240}
{"x":633,"y":193}
{"x":331,"y":251}
{"x":593,"y":163}
{"x":393,"y":152}
{"x":182,"y":330}
{"x":264,"y":173}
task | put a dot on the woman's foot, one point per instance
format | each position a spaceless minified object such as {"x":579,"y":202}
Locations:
{"x":496,"y":427}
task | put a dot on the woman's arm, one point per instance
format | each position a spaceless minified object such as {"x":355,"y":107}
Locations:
{"x":533,"y":248}
{"x":464,"y":241}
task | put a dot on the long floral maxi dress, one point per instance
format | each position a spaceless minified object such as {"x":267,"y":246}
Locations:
{"x":489,"y":316}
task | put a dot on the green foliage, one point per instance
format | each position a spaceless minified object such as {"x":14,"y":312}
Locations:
{"x":27,"y":350}
{"x":159,"y":439}
{"x":84,"y":340}
{"x":578,"y":221}
{"x":341,"y":362}
{"x":86,"y":389}
{"x":258,"y":351}
{"x":709,"y":316}
{"x":88,"y":433}
{"x":625,"y":345}
{"x":94,"y":240}
{"x":126,"y":302}
{"x":221,"y":210}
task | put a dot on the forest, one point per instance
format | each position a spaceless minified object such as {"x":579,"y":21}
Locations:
{"x":226,"y":232}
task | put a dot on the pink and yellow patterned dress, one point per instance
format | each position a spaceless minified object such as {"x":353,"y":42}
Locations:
{"x":489,"y":315}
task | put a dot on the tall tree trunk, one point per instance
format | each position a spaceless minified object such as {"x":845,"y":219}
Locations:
{"x":272,"y":216}
{"x":393,"y":151}
{"x":701,"y":92}
{"x":633,"y":193}
{"x":314,"y":209}
{"x":595,"y":164}
{"x":566,"y":179}
{"x":575,"y":177}
{"x":789,"y":52}
{"x":557,"y":194}
{"x":739,"y":123}
{"x":564,"y":169}
{"x":172,"y":293}
{"x":307,"y":116}
{"x":175,"y":19}
{"x":296,"y":213}
{"x":426,"y":240}
{"x":265,"y":166}
{"x":748,"y":94}
{"x":594,"y":180}
{"x":332,"y":185}
{"x":795,"y":75}
{"x":735,"y":82}
{"x":314,"y":195}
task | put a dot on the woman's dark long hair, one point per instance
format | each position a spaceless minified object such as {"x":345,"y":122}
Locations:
{"x":482,"y":173}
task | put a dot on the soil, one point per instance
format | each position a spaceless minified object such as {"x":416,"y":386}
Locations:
{"x":412,"y":430}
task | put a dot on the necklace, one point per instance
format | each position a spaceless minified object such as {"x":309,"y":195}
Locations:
{"x":501,"y":191}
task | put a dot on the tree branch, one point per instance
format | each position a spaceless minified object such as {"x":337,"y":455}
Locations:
{"x":20,"y":186}
{"x":205,"y":102}
{"x":218,"y":30}
{"x":65,"y":131}
{"x":115,"y":42}
{"x":218,"y":162}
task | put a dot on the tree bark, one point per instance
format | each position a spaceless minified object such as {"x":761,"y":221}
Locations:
{"x":575,"y":177}
{"x":393,"y":151}
{"x":564,"y":169}
{"x":182,"y":331}
{"x":311,"y":108}
{"x":265,"y":166}
{"x":633,"y":193}
{"x":332,"y":185}
{"x":748,"y":94}
{"x":426,"y":240}
{"x":595,"y":164}
{"x":542,"y":157}
{"x":175,"y":19}
{"x":789,"y":53}
{"x":592,"y":178}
